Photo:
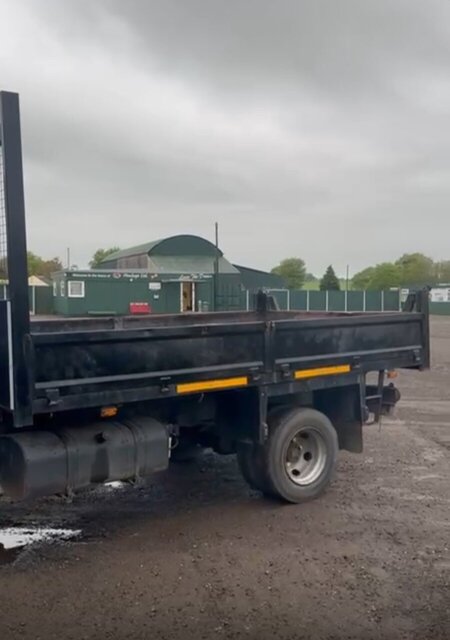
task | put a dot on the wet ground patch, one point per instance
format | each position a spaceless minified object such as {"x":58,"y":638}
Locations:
{"x":14,"y":540}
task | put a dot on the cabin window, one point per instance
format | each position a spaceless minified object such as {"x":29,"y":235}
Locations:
{"x":76,"y":289}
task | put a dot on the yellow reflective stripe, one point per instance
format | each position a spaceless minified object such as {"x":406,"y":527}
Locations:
{"x":211,"y":385}
{"x":322,"y":371}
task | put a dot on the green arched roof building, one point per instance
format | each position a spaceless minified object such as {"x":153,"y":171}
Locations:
{"x":167,"y":276}
{"x":177,"y":255}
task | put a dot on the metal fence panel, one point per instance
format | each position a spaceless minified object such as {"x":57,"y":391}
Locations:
{"x":355,"y":301}
{"x":373,"y":301}
{"x":440,"y":308}
{"x":299,"y":300}
{"x":282,"y":298}
{"x":391,"y":301}
{"x":336,"y":301}
{"x":317,"y":301}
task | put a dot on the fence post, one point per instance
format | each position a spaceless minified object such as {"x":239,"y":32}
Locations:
{"x":288,"y":299}
{"x":247,"y":300}
{"x":326,"y":300}
{"x":382,"y":300}
{"x":364,"y":301}
{"x":307,"y":299}
{"x":346,"y":302}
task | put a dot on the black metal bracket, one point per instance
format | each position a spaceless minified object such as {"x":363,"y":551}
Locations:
{"x":13,"y":223}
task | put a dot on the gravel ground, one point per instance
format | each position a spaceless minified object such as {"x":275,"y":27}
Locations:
{"x":197,"y":554}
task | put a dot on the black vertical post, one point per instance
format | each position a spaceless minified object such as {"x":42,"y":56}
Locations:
{"x":423,"y":306}
{"x":216,"y":269}
{"x":17,"y":271}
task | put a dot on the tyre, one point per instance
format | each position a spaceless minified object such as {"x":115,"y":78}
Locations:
{"x":300,"y":455}
{"x":252,"y":462}
{"x":252,"y":465}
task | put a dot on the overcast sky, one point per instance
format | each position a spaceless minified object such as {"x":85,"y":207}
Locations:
{"x":311,"y":128}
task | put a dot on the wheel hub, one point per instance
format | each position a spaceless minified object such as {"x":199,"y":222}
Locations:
{"x":305,"y":456}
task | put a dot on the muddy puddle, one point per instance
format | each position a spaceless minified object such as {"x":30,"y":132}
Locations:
{"x":18,"y":535}
{"x":14,"y":540}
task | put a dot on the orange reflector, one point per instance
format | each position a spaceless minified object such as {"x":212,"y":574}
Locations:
{"x":108,"y":412}
{"x":392,"y":374}
{"x":322,"y":371}
{"x":212,"y":385}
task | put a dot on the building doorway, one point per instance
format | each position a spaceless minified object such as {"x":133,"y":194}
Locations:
{"x":187,"y":295}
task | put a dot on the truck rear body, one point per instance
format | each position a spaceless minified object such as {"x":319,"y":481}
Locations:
{"x":97,"y":399}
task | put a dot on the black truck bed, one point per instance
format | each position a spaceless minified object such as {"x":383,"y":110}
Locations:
{"x":83,"y":362}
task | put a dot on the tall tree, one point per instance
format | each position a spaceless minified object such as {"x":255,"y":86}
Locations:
{"x":385,"y":276}
{"x":330,"y":281}
{"x":442,"y":271}
{"x":361,"y":280}
{"x":381,"y":276}
{"x":293,"y":272}
{"x":100,"y":255}
{"x":416,"y":269}
{"x":38,"y":266}
{"x":411,"y":269}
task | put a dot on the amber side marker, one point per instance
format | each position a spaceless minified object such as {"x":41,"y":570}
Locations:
{"x":108,"y":412}
{"x":212,"y":385}
{"x":302,"y":374}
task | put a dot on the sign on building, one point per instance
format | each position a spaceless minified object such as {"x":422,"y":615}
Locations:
{"x":439,"y":294}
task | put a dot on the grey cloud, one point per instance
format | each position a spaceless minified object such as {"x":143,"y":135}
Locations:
{"x":314,"y":128}
{"x":333,"y":46}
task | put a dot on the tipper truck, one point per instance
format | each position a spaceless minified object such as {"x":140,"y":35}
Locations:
{"x":96,"y":399}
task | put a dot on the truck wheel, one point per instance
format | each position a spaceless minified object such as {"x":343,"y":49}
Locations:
{"x":300,"y":455}
{"x":252,"y":465}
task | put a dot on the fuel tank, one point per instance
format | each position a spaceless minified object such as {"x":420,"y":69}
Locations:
{"x":39,"y":463}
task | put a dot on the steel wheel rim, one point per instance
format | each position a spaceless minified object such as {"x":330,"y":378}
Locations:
{"x":306,"y":456}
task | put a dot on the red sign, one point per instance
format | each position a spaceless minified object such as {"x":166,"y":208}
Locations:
{"x":139,"y":307}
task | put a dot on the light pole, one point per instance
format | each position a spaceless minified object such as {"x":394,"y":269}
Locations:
{"x":216,"y":267}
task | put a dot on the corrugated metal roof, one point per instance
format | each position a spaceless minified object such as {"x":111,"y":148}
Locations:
{"x":255,"y":278}
{"x":133,"y":251}
{"x":189,"y":264}
{"x":150,"y":248}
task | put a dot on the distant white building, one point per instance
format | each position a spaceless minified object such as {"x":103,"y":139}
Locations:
{"x":440,"y":293}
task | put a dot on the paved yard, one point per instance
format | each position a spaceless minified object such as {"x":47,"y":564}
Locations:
{"x":196,"y":554}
